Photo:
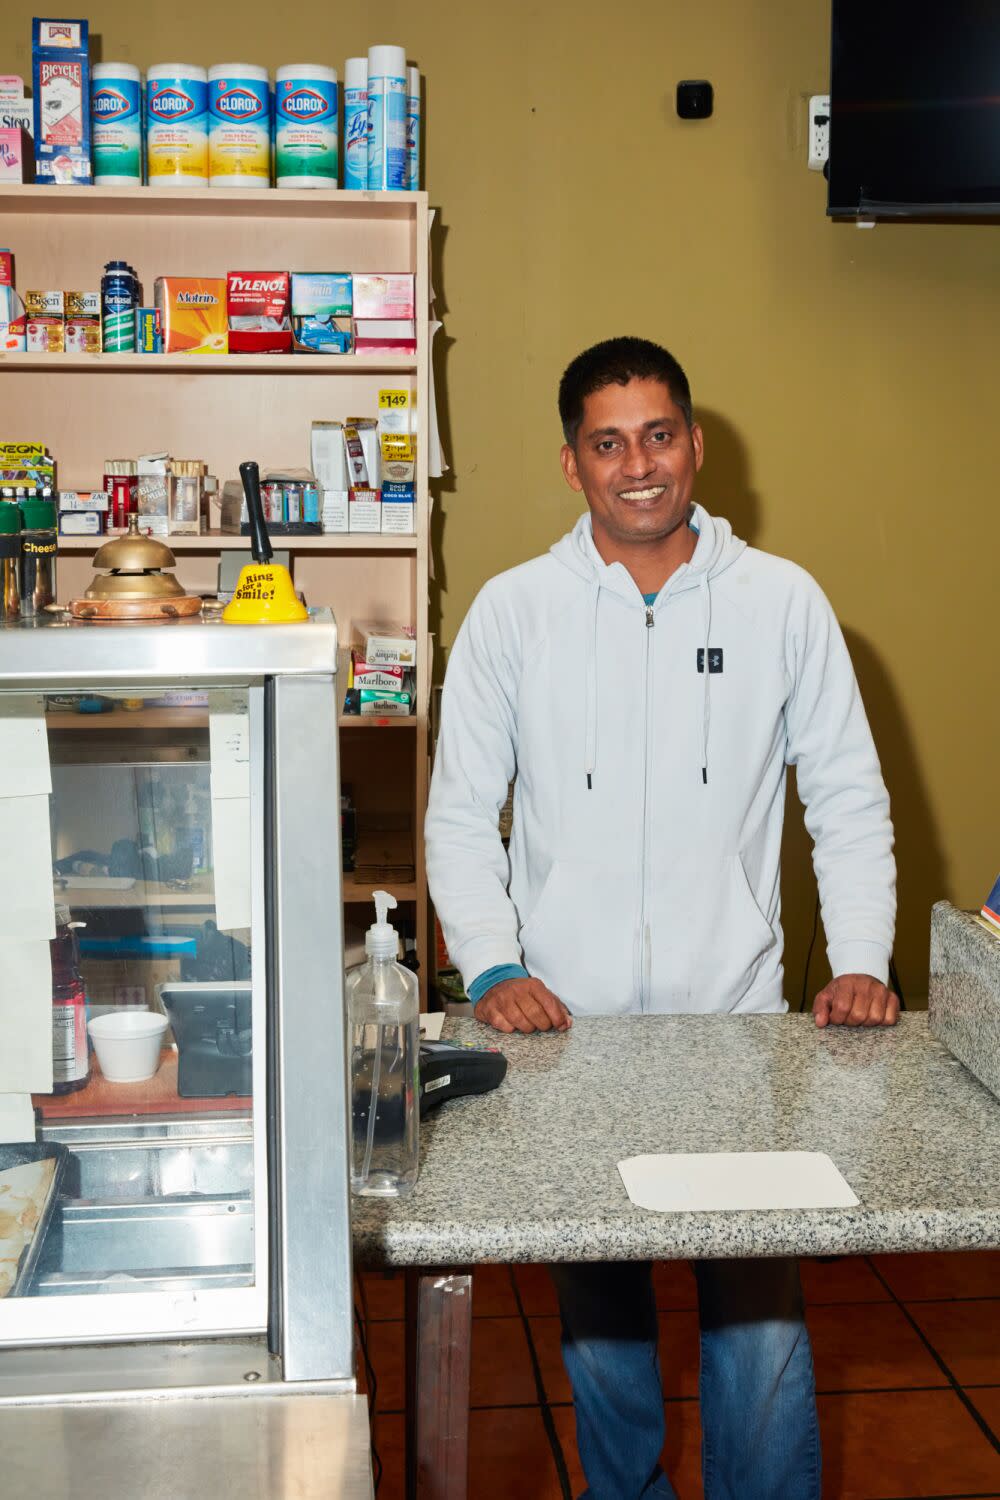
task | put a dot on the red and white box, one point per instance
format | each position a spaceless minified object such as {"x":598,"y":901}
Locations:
{"x":387,"y":296}
{"x":385,"y":336}
{"x":258,"y":306}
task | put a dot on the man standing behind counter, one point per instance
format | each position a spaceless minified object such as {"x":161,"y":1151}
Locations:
{"x":649,"y":679}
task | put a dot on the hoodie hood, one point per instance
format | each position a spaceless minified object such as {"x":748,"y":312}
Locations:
{"x":715,"y":551}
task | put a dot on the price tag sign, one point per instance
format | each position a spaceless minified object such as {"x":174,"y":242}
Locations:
{"x":388,"y":400}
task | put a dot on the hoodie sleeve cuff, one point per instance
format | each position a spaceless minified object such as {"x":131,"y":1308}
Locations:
{"x":486,"y":981}
{"x":859,"y":958}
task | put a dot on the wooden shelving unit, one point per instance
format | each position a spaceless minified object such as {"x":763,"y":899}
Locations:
{"x":224,"y":409}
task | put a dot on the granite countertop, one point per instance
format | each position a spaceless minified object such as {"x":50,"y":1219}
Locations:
{"x":528,"y":1172}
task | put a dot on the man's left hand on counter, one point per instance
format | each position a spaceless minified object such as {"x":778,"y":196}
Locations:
{"x":856,"y":1000}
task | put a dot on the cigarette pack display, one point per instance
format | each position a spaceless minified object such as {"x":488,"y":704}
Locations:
{"x":384,"y":705}
{"x":258,"y":308}
{"x":334,"y":515}
{"x":364,"y":510}
{"x":386,"y":643}
{"x":192,"y":314}
{"x":384,"y":296}
{"x":329,"y":460}
{"x":61,"y":75}
{"x":399,"y":509}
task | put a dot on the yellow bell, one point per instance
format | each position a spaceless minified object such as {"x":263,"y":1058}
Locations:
{"x":265,"y":595}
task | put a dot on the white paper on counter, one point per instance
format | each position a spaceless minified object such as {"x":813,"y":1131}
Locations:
{"x":431,"y":1023}
{"x":27,"y":909}
{"x":25,"y":1017}
{"x":231,"y":844}
{"x":24,"y":746}
{"x":723,"y":1181}
{"x":17,"y":1119}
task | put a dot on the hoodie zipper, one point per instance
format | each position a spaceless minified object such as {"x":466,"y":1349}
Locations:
{"x":644,"y":953}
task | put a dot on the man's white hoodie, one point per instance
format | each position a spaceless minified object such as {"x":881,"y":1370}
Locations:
{"x":644,"y":864}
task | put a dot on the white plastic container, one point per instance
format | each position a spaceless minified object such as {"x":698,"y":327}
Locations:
{"x":239,"y":126}
{"x":413,"y":129}
{"x":128,"y":1043}
{"x":116,"y":124}
{"x":383,"y":1010}
{"x":386,"y":119}
{"x":305,"y":126}
{"x":177,"y":125}
{"x":356,"y":124}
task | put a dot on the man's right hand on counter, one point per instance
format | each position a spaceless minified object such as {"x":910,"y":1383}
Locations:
{"x":523,"y":1005}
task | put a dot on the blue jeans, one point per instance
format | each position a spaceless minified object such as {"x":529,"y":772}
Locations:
{"x":760,"y":1437}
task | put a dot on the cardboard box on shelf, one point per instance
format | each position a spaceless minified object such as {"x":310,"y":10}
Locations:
{"x":386,"y":642}
{"x":364,"y":509}
{"x":192,"y":314}
{"x":384,"y":296}
{"x":61,"y":75}
{"x":258,"y":309}
{"x":17,"y":158}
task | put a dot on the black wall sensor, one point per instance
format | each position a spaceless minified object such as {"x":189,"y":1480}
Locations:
{"x":694,"y":99}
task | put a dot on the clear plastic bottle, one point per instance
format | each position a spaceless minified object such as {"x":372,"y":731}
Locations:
{"x":383,"y":1014}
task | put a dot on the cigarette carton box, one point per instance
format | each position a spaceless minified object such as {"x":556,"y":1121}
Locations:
{"x":386,"y":643}
{"x":61,"y":76}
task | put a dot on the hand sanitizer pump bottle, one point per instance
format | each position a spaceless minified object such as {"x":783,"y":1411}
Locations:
{"x":383,"y":1015}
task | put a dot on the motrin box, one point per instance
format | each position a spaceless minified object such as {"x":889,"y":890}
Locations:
{"x":192,"y":314}
{"x":258,"y":309}
{"x":61,"y":74}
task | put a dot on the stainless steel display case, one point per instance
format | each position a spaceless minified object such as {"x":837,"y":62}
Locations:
{"x":189,"y":1324}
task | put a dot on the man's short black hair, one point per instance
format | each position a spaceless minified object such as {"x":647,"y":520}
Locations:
{"x":616,"y":362}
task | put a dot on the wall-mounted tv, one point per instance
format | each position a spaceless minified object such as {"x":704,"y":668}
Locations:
{"x":915,"y":109}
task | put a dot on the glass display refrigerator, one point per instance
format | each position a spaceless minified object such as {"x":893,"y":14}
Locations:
{"x":175,"y":1256}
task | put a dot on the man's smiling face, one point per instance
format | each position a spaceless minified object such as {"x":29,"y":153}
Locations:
{"x":635,"y":459}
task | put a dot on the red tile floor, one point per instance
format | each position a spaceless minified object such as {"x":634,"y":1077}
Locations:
{"x":907,"y":1353}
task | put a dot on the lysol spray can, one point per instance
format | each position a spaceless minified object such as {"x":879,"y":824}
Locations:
{"x":116,"y":124}
{"x":177,"y":125}
{"x":413,"y":129}
{"x":386,"y":119}
{"x":305,"y":126}
{"x":356,"y":124}
{"x":118,"y":302}
{"x":239,"y":134}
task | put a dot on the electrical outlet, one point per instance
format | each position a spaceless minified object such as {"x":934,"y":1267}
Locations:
{"x":819,"y":131}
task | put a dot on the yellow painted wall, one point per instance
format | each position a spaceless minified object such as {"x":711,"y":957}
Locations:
{"x":846,"y":380}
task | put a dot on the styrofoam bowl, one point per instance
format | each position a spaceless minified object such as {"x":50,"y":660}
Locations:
{"x":128,"y":1043}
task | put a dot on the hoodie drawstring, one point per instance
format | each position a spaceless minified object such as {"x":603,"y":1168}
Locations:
{"x":706,"y":715}
{"x":590,"y":750}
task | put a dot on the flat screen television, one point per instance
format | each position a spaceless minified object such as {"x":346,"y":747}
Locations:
{"x":915,"y":109}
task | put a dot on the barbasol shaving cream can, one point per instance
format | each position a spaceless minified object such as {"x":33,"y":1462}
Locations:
{"x":386,"y":119}
{"x":177,"y":125}
{"x":116,"y":124}
{"x":239,"y":128}
{"x":356,"y":124}
{"x":305,"y":126}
